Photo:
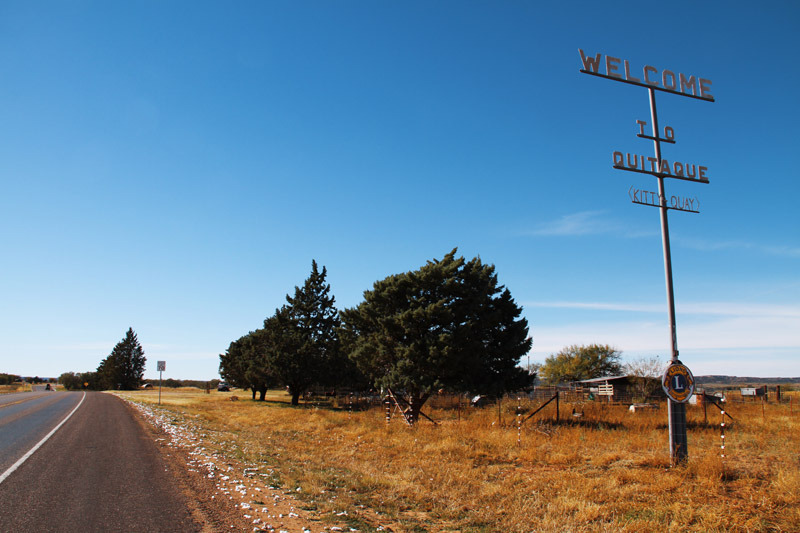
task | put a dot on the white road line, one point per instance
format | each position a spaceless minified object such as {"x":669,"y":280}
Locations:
{"x":25,"y":457}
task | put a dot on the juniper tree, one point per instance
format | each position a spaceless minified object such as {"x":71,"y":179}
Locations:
{"x":244,"y":364}
{"x":232,"y":365}
{"x":301,"y":337}
{"x":446,"y":325}
{"x":123,"y":368}
{"x":257,"y":373}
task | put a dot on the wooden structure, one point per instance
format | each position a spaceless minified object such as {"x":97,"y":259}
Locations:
{"x":755,"y":392}
{"x":621,"y":389}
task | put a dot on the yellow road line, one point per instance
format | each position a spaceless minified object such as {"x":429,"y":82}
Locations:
{"x":18,"y":401}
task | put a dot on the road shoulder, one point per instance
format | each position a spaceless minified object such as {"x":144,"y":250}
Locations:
{"x":214,"y":514}
{"x":225,"y":494}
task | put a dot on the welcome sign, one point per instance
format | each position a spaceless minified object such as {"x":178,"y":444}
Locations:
{"x":677,"y":381}
{"x":662,"y":80}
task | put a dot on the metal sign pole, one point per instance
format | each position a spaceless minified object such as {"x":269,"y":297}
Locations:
{"x":678,"y":441}
{"x":161,"y":366}
{"x":664,"y":231}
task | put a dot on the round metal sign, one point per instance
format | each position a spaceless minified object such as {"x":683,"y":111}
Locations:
{"x":678,"y":382}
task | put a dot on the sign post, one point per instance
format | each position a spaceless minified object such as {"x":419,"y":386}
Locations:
{"x":161,"y":366}
{"x":682,"y":385}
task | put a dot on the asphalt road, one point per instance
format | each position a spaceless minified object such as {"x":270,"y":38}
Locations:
{"x":98,"y":472}
{"x":25,"y":418}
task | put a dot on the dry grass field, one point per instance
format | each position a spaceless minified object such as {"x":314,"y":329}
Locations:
{"x":605,"y":471}
{"x":15,"y":387}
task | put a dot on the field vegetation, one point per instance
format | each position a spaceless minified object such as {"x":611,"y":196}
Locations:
{"x":475,"y":471}
{"x":14,"y":387}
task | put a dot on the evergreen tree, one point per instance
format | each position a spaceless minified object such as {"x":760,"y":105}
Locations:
{"x":257,"y":373}
{"x":301,"y":337}
{"x":124,"y":366}
{"x":233,"y":365}
{"x":244,"y":364}
{"x":447,"y":325}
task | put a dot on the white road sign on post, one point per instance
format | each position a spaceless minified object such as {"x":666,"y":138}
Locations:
{"x":161,"y":366}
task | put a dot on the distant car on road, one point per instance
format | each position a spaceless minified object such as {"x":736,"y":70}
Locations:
{"x":223,"y":387}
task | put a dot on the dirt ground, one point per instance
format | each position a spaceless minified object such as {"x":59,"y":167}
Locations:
{"x":224,"y":494}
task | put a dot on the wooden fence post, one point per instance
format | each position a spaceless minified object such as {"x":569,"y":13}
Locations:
{"x":557,"y":394}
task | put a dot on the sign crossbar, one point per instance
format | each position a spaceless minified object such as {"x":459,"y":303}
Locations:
{"x":643,"y":136}
{"x":648,"y":86}
{"x":660,"y":174}
{"x":668,"y":207}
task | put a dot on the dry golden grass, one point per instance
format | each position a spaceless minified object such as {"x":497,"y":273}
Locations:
{"x":179,"y":396}
{"x":607,"y":471}
{"x":14,"y":387}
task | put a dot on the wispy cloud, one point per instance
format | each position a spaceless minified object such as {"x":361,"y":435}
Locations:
{"x":692,"y":308}
{"x":597,"y":306}
{"x":723,"y":333}
{"x":603,"y":223}
{"x":767,"y":249}
{"x":583,"y":223}
{"x":703,"y":328}
{"x":587,"y":223}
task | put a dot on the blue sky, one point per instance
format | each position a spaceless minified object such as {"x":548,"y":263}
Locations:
{"x":175,"y":166}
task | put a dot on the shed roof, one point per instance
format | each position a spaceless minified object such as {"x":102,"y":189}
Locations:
{"x":601,"y":380}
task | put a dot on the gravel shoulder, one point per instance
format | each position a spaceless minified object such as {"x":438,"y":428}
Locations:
{"x":224,"y":494}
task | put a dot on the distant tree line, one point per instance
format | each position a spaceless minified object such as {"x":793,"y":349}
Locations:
{"x":80,"y":380}
{"x":8,"y":379}
{"x":448,"y":325}
{"x":176,"y":383}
